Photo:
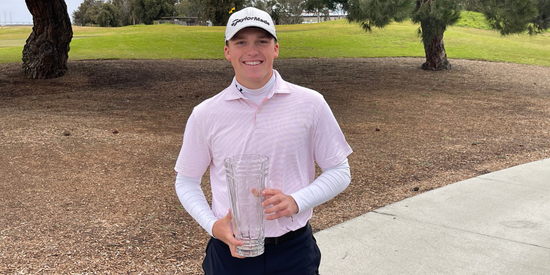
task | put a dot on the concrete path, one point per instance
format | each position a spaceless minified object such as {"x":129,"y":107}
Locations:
{"x":497,"y":223}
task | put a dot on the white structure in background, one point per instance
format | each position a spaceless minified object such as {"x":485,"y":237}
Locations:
{"x":4,"y":22}
{"x":316,"y":17}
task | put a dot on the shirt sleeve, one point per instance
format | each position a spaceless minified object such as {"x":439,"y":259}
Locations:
{"x":193,"y":200}
{"x":330,"y":145}
{"x":195,"y":155}
{"x":329,"y":184}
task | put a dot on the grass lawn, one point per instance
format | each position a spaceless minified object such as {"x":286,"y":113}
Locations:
{"x":323,"y":40}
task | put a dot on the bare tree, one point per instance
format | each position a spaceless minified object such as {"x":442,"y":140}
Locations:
{"x":46,"y":52}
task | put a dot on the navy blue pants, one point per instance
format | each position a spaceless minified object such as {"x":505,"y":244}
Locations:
{"x":300,"y":256}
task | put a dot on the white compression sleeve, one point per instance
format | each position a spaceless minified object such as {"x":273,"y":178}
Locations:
{"x":325,"y":187}
{"x":329,"y":184}
{"x":193,"y":200}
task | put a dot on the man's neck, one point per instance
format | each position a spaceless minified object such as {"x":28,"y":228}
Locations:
{"x":254,"y":85}
{"x":257,"y":95}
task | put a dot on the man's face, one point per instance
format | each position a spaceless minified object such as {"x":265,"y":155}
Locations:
{"x":251,"y":52}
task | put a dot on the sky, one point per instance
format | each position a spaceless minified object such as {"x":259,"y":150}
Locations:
{"x":15,"y":11}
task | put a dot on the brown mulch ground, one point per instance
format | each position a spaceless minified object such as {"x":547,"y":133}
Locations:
{"x":76,"y":198}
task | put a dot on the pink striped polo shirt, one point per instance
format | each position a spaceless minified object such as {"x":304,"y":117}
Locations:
{"x":294,"y":127}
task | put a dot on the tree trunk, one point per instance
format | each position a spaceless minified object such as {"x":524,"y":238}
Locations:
{"x":436,"y":57}
{"x":47,"y":49}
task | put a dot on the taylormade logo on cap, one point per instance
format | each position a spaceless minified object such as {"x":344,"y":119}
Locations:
{"x":237,"y":21}
{"x":249,"y":17}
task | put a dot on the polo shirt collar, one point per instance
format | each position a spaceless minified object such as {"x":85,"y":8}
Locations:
{"x":280,"y":87}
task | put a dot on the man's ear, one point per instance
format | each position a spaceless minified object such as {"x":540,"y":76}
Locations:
{"x":276,"y":50}
{"x":226,"y":52}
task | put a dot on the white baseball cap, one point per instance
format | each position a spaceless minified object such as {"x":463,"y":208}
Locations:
{"x":249,"y":17}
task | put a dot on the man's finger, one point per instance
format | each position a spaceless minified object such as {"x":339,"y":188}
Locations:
{"x":276,"y":199}
{"x":274,"y":216}
{"x":271,"y":192}
{"x":276,"y":207}
{"x":235,"y":242}
{"x":234,"y":253}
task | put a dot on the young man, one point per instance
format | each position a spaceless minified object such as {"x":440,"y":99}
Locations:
{"x":260,"y":113}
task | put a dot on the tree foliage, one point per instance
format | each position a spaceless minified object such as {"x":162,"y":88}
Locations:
{"x":90,"y":17}
{"x":259,"y":4}
{"x":542,"y":21}
{"x":218,"y":11}
{"x":321,"y":7}
{"x":109,"y":16}
{"x":147,"y":11}
{"x":281,"y":11}
{"x":116,"y":13}
{"x":378,"y":13}
{"x":517,"y":16}
{"x":471,"y":5}
{"x":95,"y":12}
{"x":434,"y":17}
{"x":286,"y":11}
{"x":191,"y":8}
{"x":126,"y":11}
{"x":87,"y":12}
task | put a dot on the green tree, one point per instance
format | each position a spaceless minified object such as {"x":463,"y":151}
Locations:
{"x":78,"y":14}
{"x":182,"y":8}
{"x":218,"y":11}
{"x":434,"y":16}
{"x":126,"y":11}
{"x":259,"y":4}
{"x":282,"y":11}
{"x":517,"y":16}
{"x":146,"y":11}
{"x":287,"y":11}
{"x":82,"y":17}
{"x":90,"y":18}
{"x":191,"y":8}
{"x":319,"y":7}
{"x":472,"y":5}
{"x":98,"y":12}
{"x":541,"y":22}
{"x":109,"y":16}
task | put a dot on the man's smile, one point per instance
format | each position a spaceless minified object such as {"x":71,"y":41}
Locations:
{"x":252,"y":63}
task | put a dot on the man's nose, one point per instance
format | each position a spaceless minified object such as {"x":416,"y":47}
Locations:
{"x":252,"y":49}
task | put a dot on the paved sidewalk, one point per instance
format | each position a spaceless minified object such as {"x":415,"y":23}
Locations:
{"x":497,"y":223}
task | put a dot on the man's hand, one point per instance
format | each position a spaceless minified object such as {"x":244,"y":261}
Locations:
{"x":222,"y":231}
{"x":281,"y":205}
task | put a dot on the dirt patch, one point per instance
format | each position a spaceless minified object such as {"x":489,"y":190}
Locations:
{"x":87,"y":159}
